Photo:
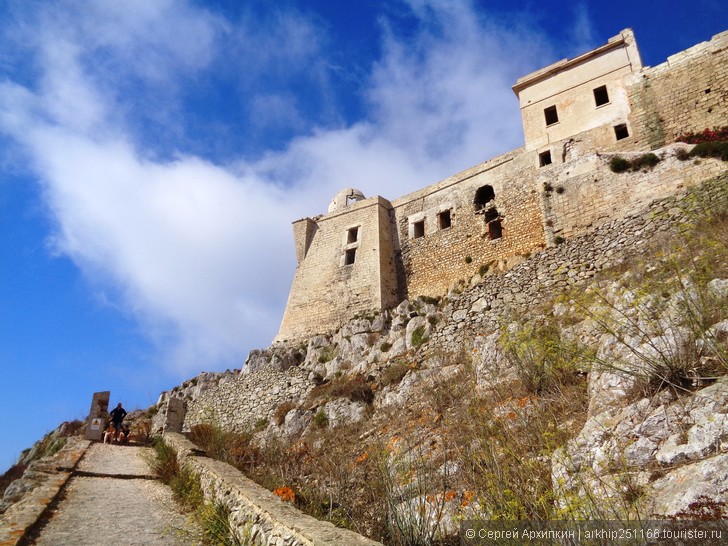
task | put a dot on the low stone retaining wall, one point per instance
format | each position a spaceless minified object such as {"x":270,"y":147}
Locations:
{"x":27,"y":498}
{"x":258,"y":516}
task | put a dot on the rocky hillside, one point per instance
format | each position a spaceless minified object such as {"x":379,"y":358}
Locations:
{"x":588,"y":381}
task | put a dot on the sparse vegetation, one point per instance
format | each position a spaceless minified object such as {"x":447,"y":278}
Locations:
{"x":619,"y":164}
{"x":213,"y":518}
{"x":644,"y":162}
{"x":328,"y":353}
{"x":320,"y":420}
{"x":711,"y":149}
{"x":419,"y":336}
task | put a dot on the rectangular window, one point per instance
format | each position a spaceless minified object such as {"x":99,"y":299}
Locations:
{"x":551,"y":115}
{"x":443,"y":219}
{"x":620,"y":131}
{"x":544,"y":158}
{"x":601,"y":96}
{"x":418,"y":229}
{"x":350,"y":256}
{"x":353,"y":235}
{"x":495,"y":230}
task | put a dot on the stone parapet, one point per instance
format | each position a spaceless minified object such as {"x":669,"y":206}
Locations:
{"x":258,"y":516}
{"x":27,"y":498}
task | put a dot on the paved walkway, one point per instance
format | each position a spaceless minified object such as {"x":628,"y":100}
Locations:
{"x":113,"y":499}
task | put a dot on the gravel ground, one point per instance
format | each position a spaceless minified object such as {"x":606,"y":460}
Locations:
{"x":108,"y":510}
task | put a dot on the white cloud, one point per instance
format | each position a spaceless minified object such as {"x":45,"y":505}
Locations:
{"x":201,"y":254}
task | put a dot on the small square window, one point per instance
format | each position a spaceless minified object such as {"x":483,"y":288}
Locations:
{"x":601,"y":96}
{"x":443,"y":219}
{"x":544,"y":158}
{"x":350,"y":256}
{"x":551,"y":115}
{"x":620,"y":131}
{"x":352,"y":235}
{"x":418,"y":229}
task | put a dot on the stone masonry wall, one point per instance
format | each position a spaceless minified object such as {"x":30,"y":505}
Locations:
{"x":687,"y":93}
{"x":433,"y":262}
{"x":326,"y":290}
{"x":239,"y":402}
{"x":585,"y":192}
{"x":482,"y":309}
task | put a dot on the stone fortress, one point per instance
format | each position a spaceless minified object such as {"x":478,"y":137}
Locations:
{"x":369,"y":254}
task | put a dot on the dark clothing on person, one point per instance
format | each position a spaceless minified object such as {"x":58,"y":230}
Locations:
{"x":117,"y":416}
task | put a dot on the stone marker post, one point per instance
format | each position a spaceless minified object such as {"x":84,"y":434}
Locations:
{"x":175,"y":415}
{"x":98,"y":415}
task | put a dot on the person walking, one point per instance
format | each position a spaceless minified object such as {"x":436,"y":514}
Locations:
{"x":117,"y":416}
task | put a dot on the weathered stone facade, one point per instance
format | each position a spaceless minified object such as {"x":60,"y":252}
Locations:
{"x":373,"y":253}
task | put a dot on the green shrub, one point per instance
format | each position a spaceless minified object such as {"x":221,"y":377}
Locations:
{"x":483,"y":269}
{"x":646,"y":161}
{"x":559,"y":240}
{"x":216,"y":528}
{"x":320,"y":420}
{"x":164,"y":463}
{"x":384,"y":347}
{"x":418,"y":336}
{"x":186,"y":489}
{"x":468,"y":259}
{"x":711,"y":149}
{"x":619,"y":164}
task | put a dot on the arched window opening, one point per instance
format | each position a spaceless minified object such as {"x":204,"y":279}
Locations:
{"x":483,"y":196}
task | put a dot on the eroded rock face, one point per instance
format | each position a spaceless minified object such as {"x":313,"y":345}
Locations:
{"x":672,"y":447}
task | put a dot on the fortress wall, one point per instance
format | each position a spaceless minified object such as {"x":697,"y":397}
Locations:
{"x":433,"y":262}
{"x":325,"y":289}
{"x":239,"y":402}
{"x":687,"y":93}
{"x":586,"y":193}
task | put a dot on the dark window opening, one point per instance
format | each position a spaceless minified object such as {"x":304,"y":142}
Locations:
{"x":350,"y":256}
{"x":601,"y":96}
{"x":443,"y":219}
{"x":620,"y":131}
{"x":491,"y":214}
{"x":544,"y":158}
{"x":551,"y":115}
{"x":495,"y":230}
{"x":418,"y":229}
{"x":353,"y":235}
{"x":484,"y":195}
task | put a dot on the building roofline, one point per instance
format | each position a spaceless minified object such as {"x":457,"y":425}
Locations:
{"x":620,"y":40}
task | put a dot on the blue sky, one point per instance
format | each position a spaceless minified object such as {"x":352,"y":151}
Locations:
{"x":153,"y":154}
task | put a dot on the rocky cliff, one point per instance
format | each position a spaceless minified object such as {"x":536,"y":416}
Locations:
{"x":587,"y":381}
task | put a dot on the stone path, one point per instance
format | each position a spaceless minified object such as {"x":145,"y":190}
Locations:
{"x":113,"y":499}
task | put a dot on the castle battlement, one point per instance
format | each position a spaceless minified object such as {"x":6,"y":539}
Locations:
{"x":372,"y":253}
